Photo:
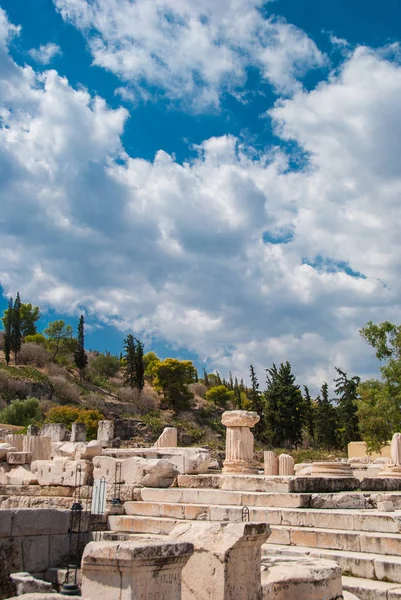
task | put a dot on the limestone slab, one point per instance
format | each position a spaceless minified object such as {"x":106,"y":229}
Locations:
{"x":46,"y":521}
{"x":19,"y":458}
{"x":35,"y":553}
{"x":62,"y":471}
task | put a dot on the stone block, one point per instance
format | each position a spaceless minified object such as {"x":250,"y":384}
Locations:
{"x":46,"y":522}
{"x":385,"y":506}
{"x":78,"y":432}
{"x":71,"y":450}
{"x":55,"y":431}
{"x":62,"y":471}
{"x":168,"y":439}
{"x":58,"y":549}
{"x":92,"y":449}
{"x":226,"y":561}
{"x":16,"y":440}
{"x":35,"y":553}
{"x":139,"y":471}
{"x":133,"y":570}
{"x":105,"y":432}
{"x":5,"y":448}
{"x":5,"y":523}
{"x":303,"y":579}
{"x":16,"y":475}
{"x":19,"y":458}
{"x":26,"y":584}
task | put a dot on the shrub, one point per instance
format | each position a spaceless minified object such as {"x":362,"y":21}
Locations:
{"x":72,"y":414}
{"x":38,"y":339}
{"x":99,"y":380}
{"x":65,"y":391}
{"x":10,"y":387}
{"x":145,"y":401}
{"x":33,"y":354}
{"x":154,"y":421}
{"x":21,"y":412}
{"x":198,"y":388}
{"x":105,"y":365}
{"x":94,"y":400}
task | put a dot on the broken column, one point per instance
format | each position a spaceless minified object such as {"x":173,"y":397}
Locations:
{"x":285,"y":465}
{"x":40,"y":447}
{"x":226,"y":562}
{"x":239,"y":441}
{"x":15,"y":440}
{"x":168,"y":439}
{"x":78,"y":432}
{"x":270,"y":463}
{"x":133,"y":570}
{"x":54,"y":431}
{"x":105,"y":432}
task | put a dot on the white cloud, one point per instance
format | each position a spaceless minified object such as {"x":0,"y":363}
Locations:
{"x":45,"y":53}
{"x":175,"y":251}
{"x":192,"y":50}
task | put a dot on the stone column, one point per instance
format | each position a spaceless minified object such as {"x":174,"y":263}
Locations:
{"x":41,"y":447}
{"x":105,"y":432}
{"x":226,"y":564}
{"x":54,"y":431}
{"x":78,"y":432}
{"x":239,"y":441}
{"x":15,"y":440}
{"x":168,"y":439}
{"x":134,"y":570}
{"x":270,"y":463}
{"x":285,"y":464}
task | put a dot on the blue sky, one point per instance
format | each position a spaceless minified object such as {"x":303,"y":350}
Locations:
{"x":220,"y":178}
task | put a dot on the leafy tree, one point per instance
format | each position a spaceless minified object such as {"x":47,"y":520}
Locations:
{"x":379,"y":407}
{"x":7,"y":321}
{"x":80,"y":356}
{"x":172,"y":379}
{"x":347,"y":411}
{"x":150,"y":361}
{"x":326,"y":421}
{"x":105,"y":365}
{"x":16,"y":337}
{"x":284,"y":407}
{"x":133,"y":370}
{"x":220,"y":395}
{"x":29,"y":315}
{"x":59,"y":338}
{"x":310,"y":416}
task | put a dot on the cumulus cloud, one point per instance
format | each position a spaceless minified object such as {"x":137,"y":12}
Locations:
{"x":45,"y":53}
{"x":176,"y":251}
{"x":192,"y":50}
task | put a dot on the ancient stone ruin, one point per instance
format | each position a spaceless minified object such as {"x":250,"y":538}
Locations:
{"x":104,"y":522}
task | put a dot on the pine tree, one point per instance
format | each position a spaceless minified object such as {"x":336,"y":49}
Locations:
{"x":347,"y":410}
{"x":8,"y":321}
{"x":129,"y":357}
{"x":309,"y":416}
{"x":218,"y":378}
{"x":80,"y":356}
{"x":231,"y":381}
{"x":285,"y":410}
{"x":16,"y":338}
{"x":238,"y":398}
{"x":196,"y":376}
{"x":326,"y":421}
{"x":257,"y":404}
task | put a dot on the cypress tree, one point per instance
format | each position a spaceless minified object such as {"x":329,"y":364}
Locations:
{"x":205,"y":378}
{"x":129,"y":356}
{"x":347,"y":408}
{"x":285,"y":410}
{"x":257,"y":404}
{"x":231,"y":381}
{"x":8,"y":320}
{"x":326,"y":421}
{"x":139,"y":365}
{"x":218,"y":378}
{"x":16,"y":338}
{"x":80,"y":356}
{"x":309,"y":416}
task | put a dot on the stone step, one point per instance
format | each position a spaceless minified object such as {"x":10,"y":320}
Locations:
{"x":356,"y":564}
{"x":350,"y":520}
{"x":353,"y":541}
{"x":143,"y":525}
{"x":223,"y":497}
{"x":366,"y":589}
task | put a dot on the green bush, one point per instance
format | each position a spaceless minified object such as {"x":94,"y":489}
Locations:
{"x":220,"y":395}
{"x":105,"y":365}
{"x":22,"y":412}
{"x":38,"y":339}
{"x":154,"y":421}
{"x":72,"y":414}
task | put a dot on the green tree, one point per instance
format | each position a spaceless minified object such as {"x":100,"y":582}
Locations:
{"x":379,"y":406}
{"x":29,"y":315}
{"x":134,"y":369}
{"x":220,"y":396}
{"x":7,"y":322}
{"x":150,"y":361}
{"x":80,"y":356}
{"x":206,"y":378}
{"x":105,"y":365}
{"x":139,"y":366}
{"x":310,"y":416}
{"x":347,"y":410}
{"x":257,"y":404}
{"x":21,"y":412}
{"x":59,"y":338}
{"x":326,"y":420}
{"x":38,"y":339}
{"x":16,"y":337}
{"x":284,"y":407}
{"x":172,"y":379}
